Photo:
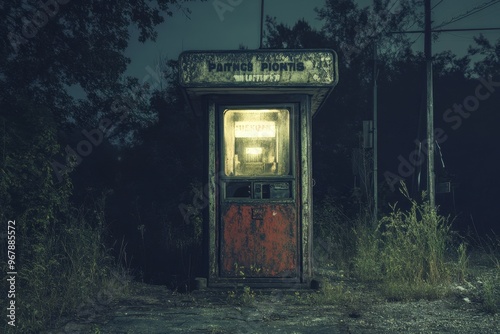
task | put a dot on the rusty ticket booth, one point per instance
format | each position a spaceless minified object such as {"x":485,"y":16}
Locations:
{"x":258,"y":106}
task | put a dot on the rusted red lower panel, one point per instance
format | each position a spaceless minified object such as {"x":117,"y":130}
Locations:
{"x":259,"y":240}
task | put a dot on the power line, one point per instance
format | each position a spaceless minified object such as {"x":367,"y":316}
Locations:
{"x":394,"y":4}
{"x":442,"y":30}
{"x":460,"y":36}
{"x":437,"y":4}
{"x":414,"y":22}
{"x":473,"y":11}
{"x":453,"y":20}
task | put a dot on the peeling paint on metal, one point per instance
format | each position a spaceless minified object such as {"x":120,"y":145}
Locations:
{"x":266,"y":247}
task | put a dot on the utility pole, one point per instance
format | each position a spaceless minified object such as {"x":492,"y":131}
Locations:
{"x":430,"y":105}
{"x":431,"y":188}
{"x":375,"y":135}
{"x":261,"y":23}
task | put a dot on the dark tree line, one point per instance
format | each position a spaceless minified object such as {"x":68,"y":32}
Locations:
{"x":49,"y":49}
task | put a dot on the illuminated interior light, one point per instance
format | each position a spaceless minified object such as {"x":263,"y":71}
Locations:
{"x":253,"y":150}
{"x":256,"y":142}
{"x":255,"y":129}
{"x":254,"y":111}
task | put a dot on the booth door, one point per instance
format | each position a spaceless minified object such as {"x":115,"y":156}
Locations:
{"x":259,"y":229}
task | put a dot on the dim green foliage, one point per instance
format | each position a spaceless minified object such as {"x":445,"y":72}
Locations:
{"x":367,"y":264}
{"x":241,"y":295}
{"x":248,"y":296}
{"x":61,"y":260}
{"x":491,"y":293}
{"x":489,"y":289}
{"x":332,"y":294}
{"x":70,"y":266}
{"x":64,"y":271}
{"x":462,"y":265}
{"x":406,"y":252}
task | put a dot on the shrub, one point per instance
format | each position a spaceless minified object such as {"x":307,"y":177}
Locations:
{"x":491,"y":293}
{"x":64,"y":270}
{"x":332,"y":294}
{"x":406,"y":251}
{"x":367,"y":262}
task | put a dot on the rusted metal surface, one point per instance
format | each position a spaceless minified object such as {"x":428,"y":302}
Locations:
{"x":259,"y":240}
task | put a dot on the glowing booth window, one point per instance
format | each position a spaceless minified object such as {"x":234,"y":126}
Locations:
{"x":256,"y":142}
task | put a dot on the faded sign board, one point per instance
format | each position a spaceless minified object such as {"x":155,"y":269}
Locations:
{"x":313,"y":72}
{"x":257,"y":68}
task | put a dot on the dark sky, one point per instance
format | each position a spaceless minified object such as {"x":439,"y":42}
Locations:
{"x":205,"y":29}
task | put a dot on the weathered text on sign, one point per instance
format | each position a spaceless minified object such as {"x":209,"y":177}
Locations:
{"x":255,"y":68}
{"x":248,"y":67}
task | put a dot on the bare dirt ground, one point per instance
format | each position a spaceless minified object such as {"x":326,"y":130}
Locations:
{"x":157,"y":309}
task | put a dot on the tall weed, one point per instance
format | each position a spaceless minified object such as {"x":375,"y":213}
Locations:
{"x":63,"y":268}
{"x":406,"y":251}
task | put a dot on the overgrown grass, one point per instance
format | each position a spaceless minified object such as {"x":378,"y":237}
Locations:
{"x":462,"y":264}
{"x":489,"y":289}
{"x":367,"y":262}
{"x":491,"y":293}
{"x":406,"y":252}
{"x":63,"y":271}
{"x":333,"y":294}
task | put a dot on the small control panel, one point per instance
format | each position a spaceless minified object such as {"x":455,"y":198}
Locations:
{"x":259,"y":190}
{"x":271,"y":190}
